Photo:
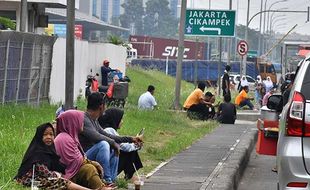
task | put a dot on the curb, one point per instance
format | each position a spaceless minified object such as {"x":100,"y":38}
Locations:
{"x":231,"y":170}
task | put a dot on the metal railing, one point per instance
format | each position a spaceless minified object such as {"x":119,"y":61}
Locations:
{"x":25,"y":67}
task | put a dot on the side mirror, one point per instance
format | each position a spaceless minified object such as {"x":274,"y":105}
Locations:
{"x":275,"y":102}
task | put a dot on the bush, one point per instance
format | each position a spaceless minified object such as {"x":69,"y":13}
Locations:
{"x":8,"y":23}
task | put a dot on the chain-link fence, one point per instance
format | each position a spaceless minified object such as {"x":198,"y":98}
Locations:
{"x":25,"y":66}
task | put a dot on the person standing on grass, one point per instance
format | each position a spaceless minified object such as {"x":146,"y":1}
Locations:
{"x":242,"y":99}
{"x":41,"y":160}
{"x":226,"y":81}
{"x":99,"y":145}
{"x":146,"y":100}
{"x":227,"y":111}
{"x":195,"y":104}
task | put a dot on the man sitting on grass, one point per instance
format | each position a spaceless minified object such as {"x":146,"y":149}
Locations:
{"x":195,"y":104}
{"x":227,"y":111}
{"x":242,"y":98}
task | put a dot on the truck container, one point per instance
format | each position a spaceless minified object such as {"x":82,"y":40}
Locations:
{"x":162,"y":48}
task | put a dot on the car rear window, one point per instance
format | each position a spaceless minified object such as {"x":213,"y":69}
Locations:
{"x":305,"y":89}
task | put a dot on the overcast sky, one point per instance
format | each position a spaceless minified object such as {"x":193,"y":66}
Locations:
{"x":283,"y":22}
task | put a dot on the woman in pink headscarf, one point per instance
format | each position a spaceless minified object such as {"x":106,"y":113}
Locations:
{"x":78,"y":169}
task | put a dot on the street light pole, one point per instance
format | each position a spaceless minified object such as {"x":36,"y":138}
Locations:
{"x":260,"y":29}
{"x":180,"y":56}
{"x":246,"y":39}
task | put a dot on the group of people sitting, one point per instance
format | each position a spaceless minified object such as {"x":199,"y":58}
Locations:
{"x":201,"y":106}
{"x":81,"y":151}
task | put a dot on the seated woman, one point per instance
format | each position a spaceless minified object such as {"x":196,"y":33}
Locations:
{"x":42,"y":161}
{"x":111,"y":121}
{"x":78,"y":169}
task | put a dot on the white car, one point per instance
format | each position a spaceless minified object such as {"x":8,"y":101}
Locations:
{"x":235,"y":80}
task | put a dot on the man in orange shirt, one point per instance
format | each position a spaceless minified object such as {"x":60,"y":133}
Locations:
{"x":243,"y":100}
{"x":195,"y":103}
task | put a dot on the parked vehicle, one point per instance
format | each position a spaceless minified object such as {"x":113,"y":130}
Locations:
{"x":293,"y":148}
{"x":92,"y":84}
{"x":235,"y":80}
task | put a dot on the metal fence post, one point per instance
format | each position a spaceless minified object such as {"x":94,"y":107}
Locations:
{"x":40,"y":74}
{"x":6,"y":70}
{"x":19,"y":70}
{"x":32,"y":60}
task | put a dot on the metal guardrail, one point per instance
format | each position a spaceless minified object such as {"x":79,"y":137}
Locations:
{"x":25,"y":67}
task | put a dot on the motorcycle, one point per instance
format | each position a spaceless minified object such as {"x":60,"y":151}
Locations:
{"x":92,"y":84}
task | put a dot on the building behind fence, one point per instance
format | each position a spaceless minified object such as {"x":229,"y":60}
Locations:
{"x":25,"y":67}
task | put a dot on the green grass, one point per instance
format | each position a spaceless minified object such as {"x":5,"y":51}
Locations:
{"x":166,"y":132}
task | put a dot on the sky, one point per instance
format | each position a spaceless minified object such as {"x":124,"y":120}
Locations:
{"x":282,"y":22}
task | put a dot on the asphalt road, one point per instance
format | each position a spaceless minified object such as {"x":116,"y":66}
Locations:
{"x":258,"y":174}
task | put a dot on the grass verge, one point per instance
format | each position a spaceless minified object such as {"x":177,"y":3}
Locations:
{"x":166,"y":132}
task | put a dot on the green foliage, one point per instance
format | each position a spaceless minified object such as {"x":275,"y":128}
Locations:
{"x":133,"y":14}
{"x":166,"y":132}
{"x":8,"y":23}
{"x":116,"y":40}
{"x":158,"y":20}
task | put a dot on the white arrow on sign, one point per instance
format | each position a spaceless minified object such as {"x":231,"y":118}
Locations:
{"x":211,"y":29}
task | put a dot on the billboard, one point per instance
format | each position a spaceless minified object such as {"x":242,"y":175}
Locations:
{"x":162,"y":48}
{"x":60,"y":30}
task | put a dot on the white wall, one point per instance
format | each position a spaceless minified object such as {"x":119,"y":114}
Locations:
{"x":87,"y":56}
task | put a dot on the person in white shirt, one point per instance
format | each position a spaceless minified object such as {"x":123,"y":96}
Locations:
{"x":147,"y":100}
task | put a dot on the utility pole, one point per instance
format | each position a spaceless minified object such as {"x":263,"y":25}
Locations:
{"x":23,"y":15}
{"x":229,"y":40}
{"x":69,"y":93}
{"x":180,"y":56}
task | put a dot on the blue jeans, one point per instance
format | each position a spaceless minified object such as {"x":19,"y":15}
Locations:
{"x":246,"y":102}
{"x":101,"y":153}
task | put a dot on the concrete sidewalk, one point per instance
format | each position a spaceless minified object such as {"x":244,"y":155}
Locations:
{"x":214,"y":162}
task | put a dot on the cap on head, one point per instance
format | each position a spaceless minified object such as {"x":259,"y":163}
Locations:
{"x":106,"y":63}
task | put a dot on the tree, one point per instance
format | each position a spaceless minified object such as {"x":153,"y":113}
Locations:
{"x":158,"y":20}
{"x":116,"y":40}
{"x":133,"y":15}
{"x":7,"y":23}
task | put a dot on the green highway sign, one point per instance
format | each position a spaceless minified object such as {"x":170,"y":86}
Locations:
{"x":210,"y":22}
{"x":252,"y":53}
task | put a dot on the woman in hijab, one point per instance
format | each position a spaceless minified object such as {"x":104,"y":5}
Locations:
{"x":41,"y":163}
{"x":258,"y":89}
{"x":129,"y":158}
{"x":78,"y":169}
{"x":243,"y":82}
{"x":268,"y":84}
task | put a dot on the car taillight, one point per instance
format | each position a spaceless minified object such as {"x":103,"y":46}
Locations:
{"x":294,"y":122}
